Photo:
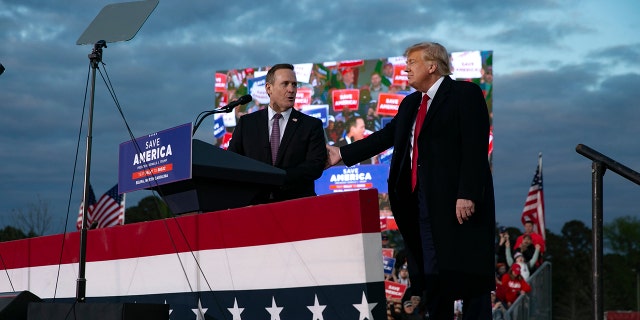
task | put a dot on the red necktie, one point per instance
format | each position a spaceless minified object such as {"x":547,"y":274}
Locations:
{"x":274,"y":140}
{"x":422,"y":112}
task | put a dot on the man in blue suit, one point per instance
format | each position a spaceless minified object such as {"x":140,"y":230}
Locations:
{"x":440,"y":184}
{"x":298,"y":140}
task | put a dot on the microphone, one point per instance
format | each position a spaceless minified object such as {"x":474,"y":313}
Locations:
{"x":242,"y":100}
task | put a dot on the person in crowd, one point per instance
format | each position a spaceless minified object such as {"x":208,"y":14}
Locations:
{"x":385,"y":240}
{"x":513,"y":285}
{"x":348,"y":79}
{"x":536,"y":238}
{"x":417,"y":305}
{"x":501,"y":268}
{"x":355,"y":131}
{"x":376,"y":86}
{"x":497,"y":309}
{"x":440,"y":184}
{"x":283,"y":137}
{"x":503,"y":240}
{"x":333,"y":135}
{"x":530,"y":253}
{"x":457,"y":310}
{"x":407,"y":313}
{"x":387,"y":72}
{"x":403,"y":276}
{"x":524,"y":267}
{"x":372,"y":119}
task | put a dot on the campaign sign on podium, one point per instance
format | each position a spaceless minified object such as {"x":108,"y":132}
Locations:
{"x":155,"y":159}
{"x":359,"y":177}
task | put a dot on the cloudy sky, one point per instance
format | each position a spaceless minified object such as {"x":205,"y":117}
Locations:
{"x":565,"y":73}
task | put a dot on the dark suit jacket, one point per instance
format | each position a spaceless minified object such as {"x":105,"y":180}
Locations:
{"x":453,"y":163}
{"x":302,"y":153}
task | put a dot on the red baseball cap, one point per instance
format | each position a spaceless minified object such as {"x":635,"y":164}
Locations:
{"x":515,"y":268}
{"x":346,"y":70}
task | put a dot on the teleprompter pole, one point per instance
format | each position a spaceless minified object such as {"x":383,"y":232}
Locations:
{"x":95,"y":57}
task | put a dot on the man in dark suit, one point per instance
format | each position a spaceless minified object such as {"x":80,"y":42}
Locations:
{"x":444,"y":209}
{"x":355,"y":131}
{"x":298,"y":138}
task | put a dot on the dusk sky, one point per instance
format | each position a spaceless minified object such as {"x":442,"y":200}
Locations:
{"x":565,"y":73}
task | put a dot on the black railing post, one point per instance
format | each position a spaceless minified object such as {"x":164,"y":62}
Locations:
{"x":598,"y":170}
{"x":600,"y":164}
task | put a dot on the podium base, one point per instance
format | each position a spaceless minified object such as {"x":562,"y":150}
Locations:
{"x":96,"y":311}
{"x":13,"y":305}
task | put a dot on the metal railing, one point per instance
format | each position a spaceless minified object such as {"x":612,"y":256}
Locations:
{"x":600,"y":164}
{"x":536,"y":305}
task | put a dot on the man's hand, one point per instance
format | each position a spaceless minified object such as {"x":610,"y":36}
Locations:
{"x":464,"y":209}
{"x":333,"y":156}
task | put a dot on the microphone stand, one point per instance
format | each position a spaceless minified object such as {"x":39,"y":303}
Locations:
{"x":224,"y":109}
{"x":95,"y":58}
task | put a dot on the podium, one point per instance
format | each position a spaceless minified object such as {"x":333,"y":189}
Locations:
{"x":220,"y":180}
{"x":321,"y":253}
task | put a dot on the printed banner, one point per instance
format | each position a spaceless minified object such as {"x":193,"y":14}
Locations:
{"x":387,"y":264}
{"x":320,"y":111}
{"x":394,"y":290}
{"x":466,"y":65}
{"x":218,"y":126}
{"x":257,"y":90}
{"x":155,"y":159}
{"x":388,"y":103}
{"x":221,"y":82}
{"x":303,"y":97}
{"x":399,"y":76}
{"x":345,"y":98}
{"x":341,"y":178}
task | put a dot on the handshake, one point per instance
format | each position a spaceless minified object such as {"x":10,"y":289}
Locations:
{"x":333,"y":156}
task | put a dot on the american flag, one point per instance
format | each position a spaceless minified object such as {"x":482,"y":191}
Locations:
{"x":534,"y":205}
{"x":92,"y":201}
{"x":106,"y":212}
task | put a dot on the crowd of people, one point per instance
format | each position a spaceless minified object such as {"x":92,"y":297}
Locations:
{"x":514,"y":266}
